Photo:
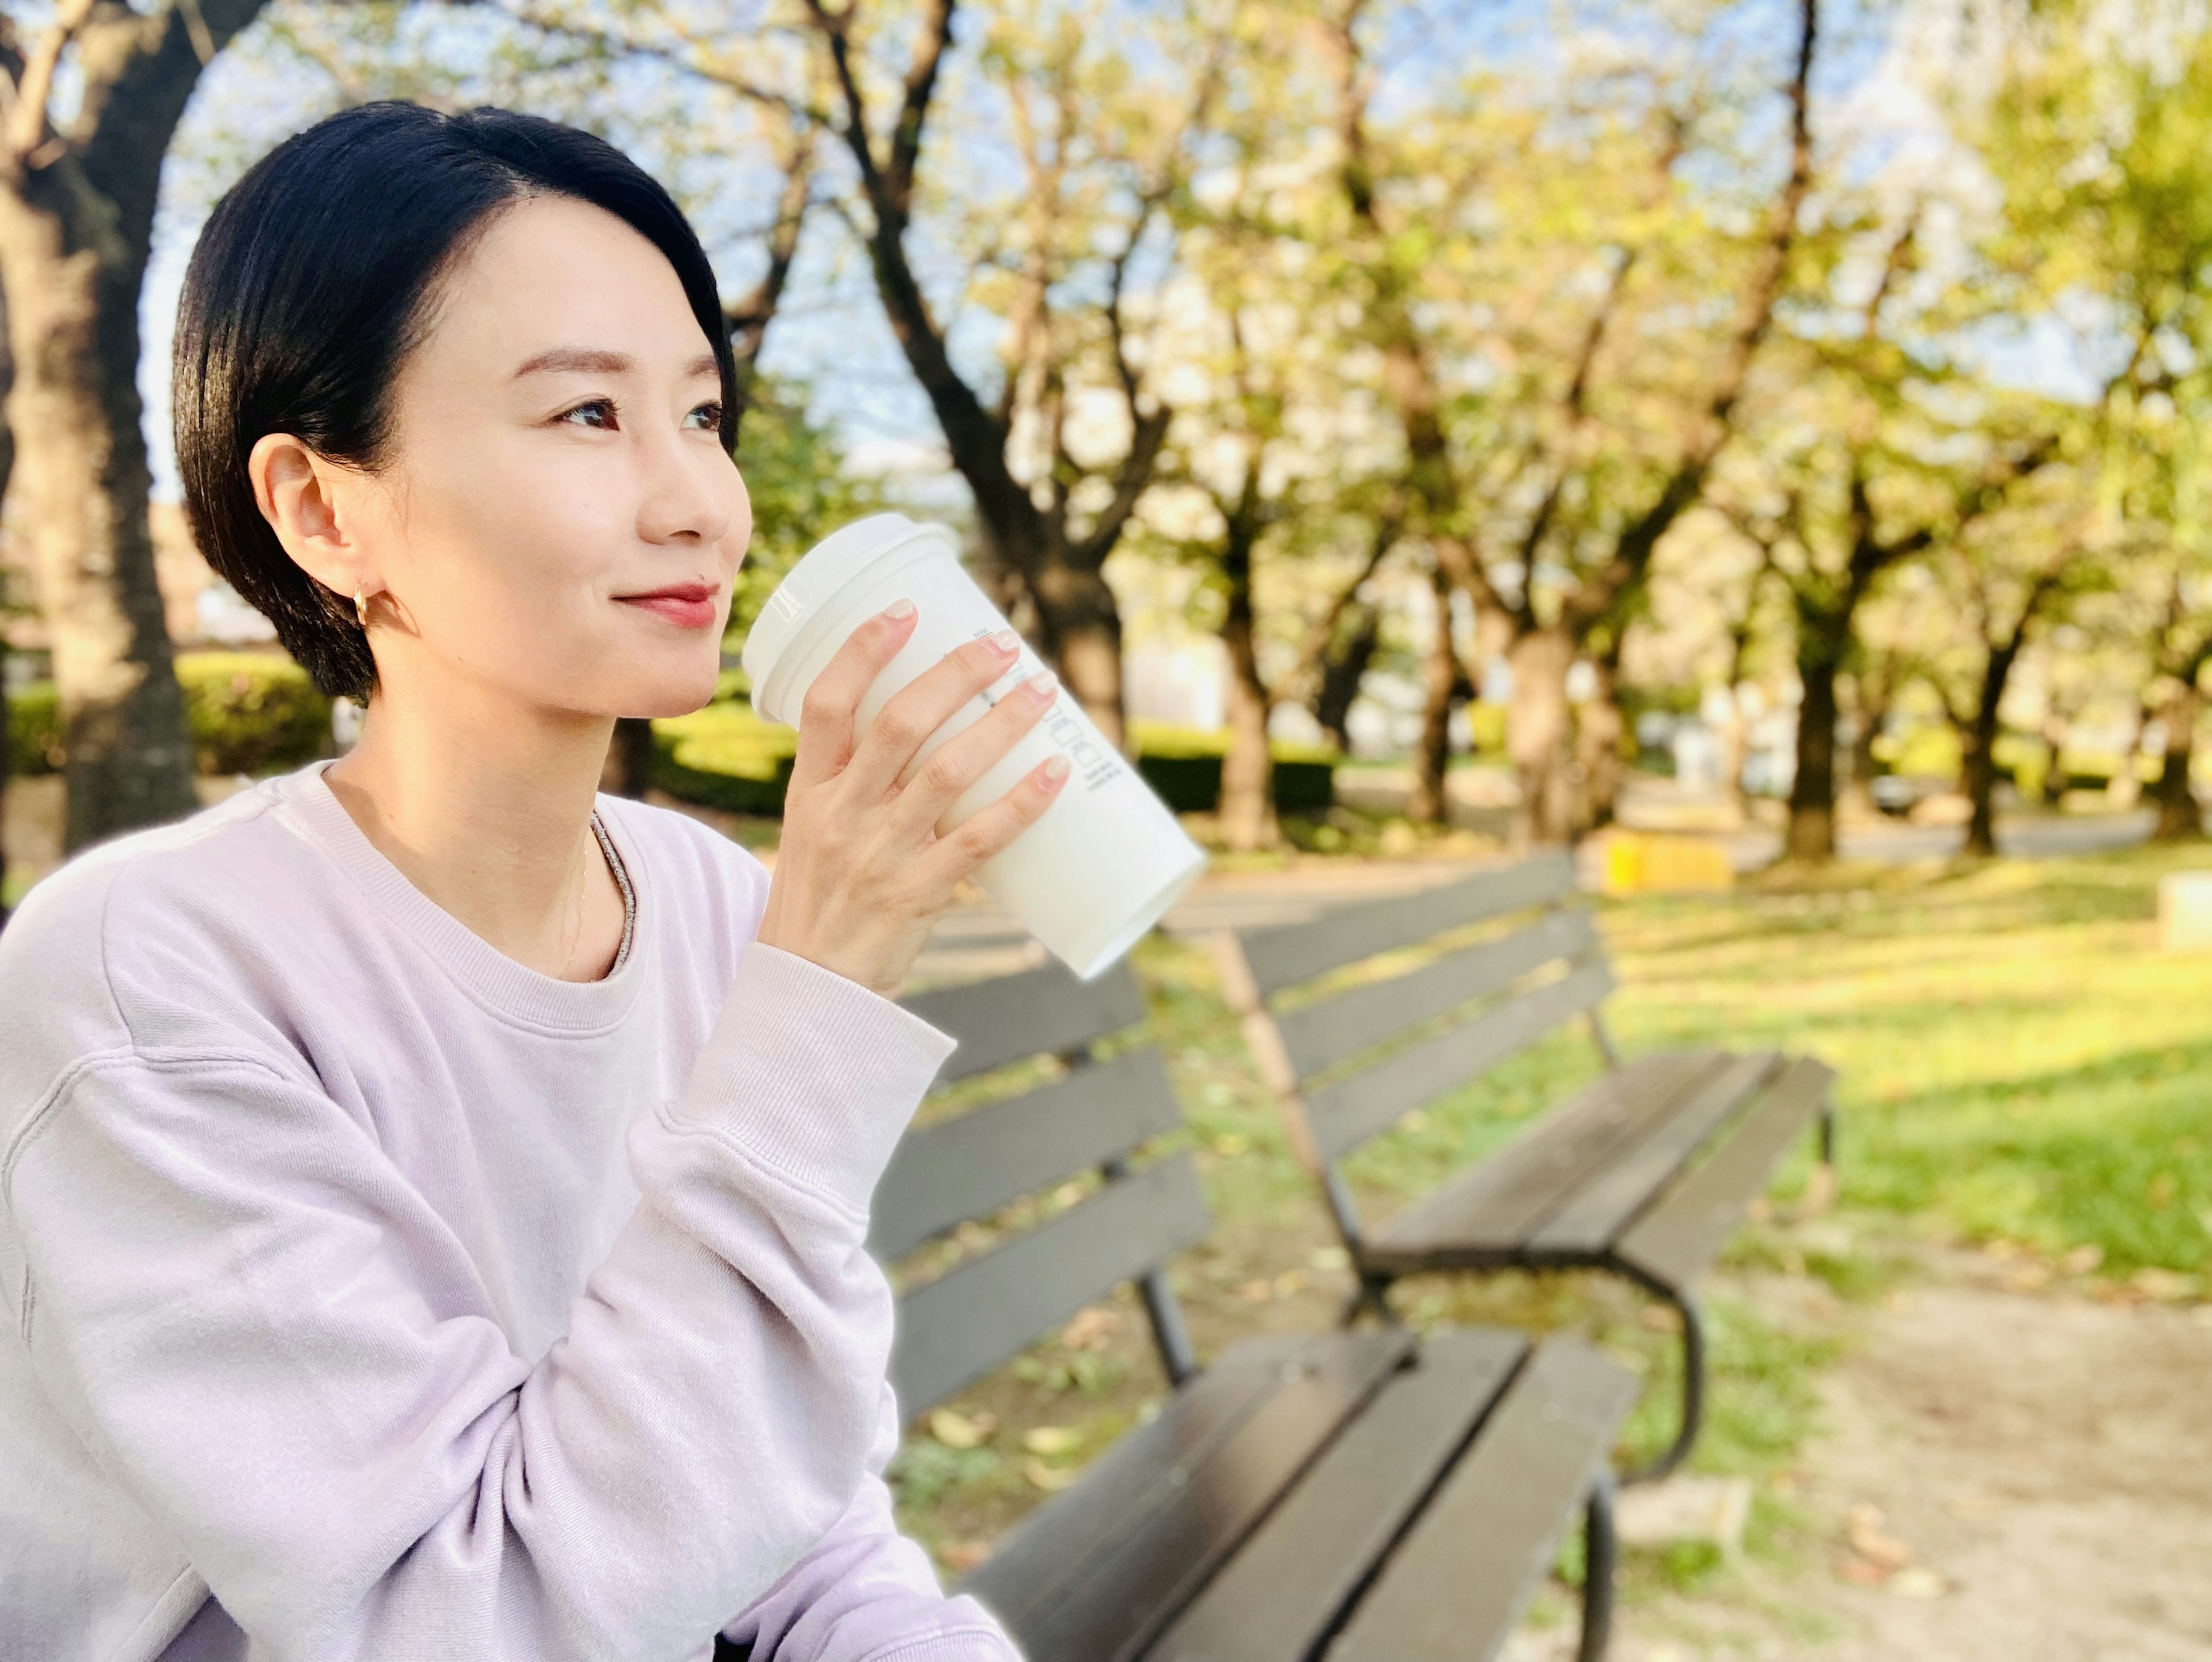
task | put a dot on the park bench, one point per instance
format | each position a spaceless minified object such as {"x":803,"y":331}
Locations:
{"x":1352,"y":1495}
{"x":1644,"y":1174}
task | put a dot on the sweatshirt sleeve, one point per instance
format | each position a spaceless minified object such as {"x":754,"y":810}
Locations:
{"x":866,"y":1593}
{"x":258,"y":1327}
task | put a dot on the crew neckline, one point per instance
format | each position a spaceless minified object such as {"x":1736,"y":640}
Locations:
{"x":505,"y":986}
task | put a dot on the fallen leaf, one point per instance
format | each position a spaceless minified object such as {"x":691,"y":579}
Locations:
{"x":1289,"y":1282}
{"x":1051,"y":1439}
{"x":1050,"y":1479}
{"x":1860,"y":1574}
{"x":1093,"y":1329}
{"x":2028,"y":1277}
{"x":1256,"y":1292}
{"x":2163,"y":1285}
{"x":1863,"y":1529}
{"x":1918,"y":1582}
{"x":956,"y":1430}
{"x":961,"y":1556}
{"x":2083,"y":1259}
{"x":1330,"y":1258}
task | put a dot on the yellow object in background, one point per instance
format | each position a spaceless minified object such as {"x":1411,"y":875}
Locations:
{"x":1638,"y":862}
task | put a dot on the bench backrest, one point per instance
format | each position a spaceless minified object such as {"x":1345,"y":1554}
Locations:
{"x":957,"y":1328}
{"x":1488,"y":990}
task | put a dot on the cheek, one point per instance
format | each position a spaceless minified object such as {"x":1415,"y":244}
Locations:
{"x":503,"y":535}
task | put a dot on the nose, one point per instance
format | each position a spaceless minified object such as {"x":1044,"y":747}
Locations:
{"x":690,"y":492}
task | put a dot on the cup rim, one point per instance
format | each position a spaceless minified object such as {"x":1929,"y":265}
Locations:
{"x":813,"y":582}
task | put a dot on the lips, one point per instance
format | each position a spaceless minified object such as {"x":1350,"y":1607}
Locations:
{"x":687,"y":605}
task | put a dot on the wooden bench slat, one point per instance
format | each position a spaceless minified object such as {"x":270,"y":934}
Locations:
{"x":1348,"y":1113}
{"x":1075,"y":1593}
{"x":1609,"y":1200}
{"x":1289,"y":1583}
{"x":1036,"y":1012}
{"x":1055,"y":1544}
{"x":1493,"y":1205}
{"x":1327,"y":1033}
{"x":970,"y":1166}
{"x":1676,"y":1239}
{"x":1291,"y":953}
{"x":961,"y":1326}
{"x":1452,"y":1589}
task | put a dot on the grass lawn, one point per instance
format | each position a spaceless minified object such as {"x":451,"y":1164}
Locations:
{"x":2021,"y":1070}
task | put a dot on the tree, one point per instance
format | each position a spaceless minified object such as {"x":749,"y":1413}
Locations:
{"x":1099,"y":150}
{"x":79,"y":172}
{"x":1590,"y":481}
{"x":2101,"y":136}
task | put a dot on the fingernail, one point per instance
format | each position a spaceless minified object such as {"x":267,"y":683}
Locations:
{"x":1042,"y":686}
{"x":899,"y":611}
{"x":1006,"y":644}
{"x":1055,"y":771}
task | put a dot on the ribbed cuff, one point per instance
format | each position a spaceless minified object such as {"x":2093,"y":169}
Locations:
{"x":813,"y":1075}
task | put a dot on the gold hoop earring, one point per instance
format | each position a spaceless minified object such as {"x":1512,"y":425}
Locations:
{"x":361,"y":607}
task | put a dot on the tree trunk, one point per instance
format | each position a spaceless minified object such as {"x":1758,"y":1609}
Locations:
{"x":1824,"y":635}
{"x":1979,"y":767}
{"x":80,"y":483}
{"x":1427,"y":805}
{"x":1079,"y":630}
{"x":2180,"y":817}
{"x":1247,"y":772}
{"x":628,"y":769}
{"x":1536,"y":737}
{"x":1599,"y":728}
{"x":75,"y":235}
{"x":1342,"y":671}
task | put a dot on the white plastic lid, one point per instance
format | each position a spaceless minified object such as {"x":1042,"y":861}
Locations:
{"x":823,"y":570}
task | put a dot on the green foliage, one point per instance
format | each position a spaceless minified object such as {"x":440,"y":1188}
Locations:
{"x":725,"y":757}
{"x":248,"y":712}
{"x":252,"y":712}
{"x":796,"y":476}
{"x":35,"y":730}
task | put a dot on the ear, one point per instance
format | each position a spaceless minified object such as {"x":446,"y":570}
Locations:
{"x":305,"y":500}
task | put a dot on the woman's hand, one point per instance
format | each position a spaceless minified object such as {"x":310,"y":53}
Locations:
{"x":860,"y":872}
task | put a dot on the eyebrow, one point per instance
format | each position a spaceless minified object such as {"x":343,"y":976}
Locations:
{"x":570,"y":360}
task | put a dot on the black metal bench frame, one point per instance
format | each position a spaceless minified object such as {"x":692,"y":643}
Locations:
{"x":1360,"y":1496}
{"x":1642,"y":1176}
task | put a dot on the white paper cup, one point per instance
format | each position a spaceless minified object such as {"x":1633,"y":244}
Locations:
{"x":1103,"y":863}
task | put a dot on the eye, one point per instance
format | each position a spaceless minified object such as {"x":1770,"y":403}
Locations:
{"x":598,"y":413}
{"x":707,"y":417}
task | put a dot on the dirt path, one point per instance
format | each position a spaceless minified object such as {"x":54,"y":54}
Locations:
{"x":2046,"y":1461}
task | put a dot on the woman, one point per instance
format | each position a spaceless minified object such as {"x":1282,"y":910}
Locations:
{"x":434,"y":1195}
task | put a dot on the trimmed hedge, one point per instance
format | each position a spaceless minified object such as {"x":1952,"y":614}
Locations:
{"x":727,"y":757}
{"x":1183,"y":764}
{"x":248,"y":712}
{"x":724,"y":757}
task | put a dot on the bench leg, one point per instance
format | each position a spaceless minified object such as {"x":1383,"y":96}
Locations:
{"x":1601,"y":1554}
{"x":1373,"y":1295}
{"x":1693,"y":1388}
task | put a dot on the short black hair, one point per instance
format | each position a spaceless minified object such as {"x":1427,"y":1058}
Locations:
{"x":311,"y":284}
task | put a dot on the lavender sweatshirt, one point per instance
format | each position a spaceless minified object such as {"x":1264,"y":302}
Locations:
{"x":371,"y":1297}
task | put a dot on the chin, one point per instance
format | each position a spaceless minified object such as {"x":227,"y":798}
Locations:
{"x":671,"y":691}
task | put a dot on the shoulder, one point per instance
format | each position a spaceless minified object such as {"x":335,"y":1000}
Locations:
{"x":164,"y":908}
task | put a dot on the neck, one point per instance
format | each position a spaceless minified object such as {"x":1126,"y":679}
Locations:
{"x":485,"y":806}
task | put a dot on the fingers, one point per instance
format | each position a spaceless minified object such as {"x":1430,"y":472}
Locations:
{"x":922,"y":706}
{"x":988,"y":830}
{"x":825,"y":719}
{"x":927,"y":788}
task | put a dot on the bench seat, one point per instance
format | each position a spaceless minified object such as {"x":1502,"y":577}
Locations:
{"x":1401,"y":1497}
{"x":1562,"y":1193}
{"x":1364,"y":1014}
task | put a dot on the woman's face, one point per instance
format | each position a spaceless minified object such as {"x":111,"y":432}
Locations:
{"x":557,"y":522}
